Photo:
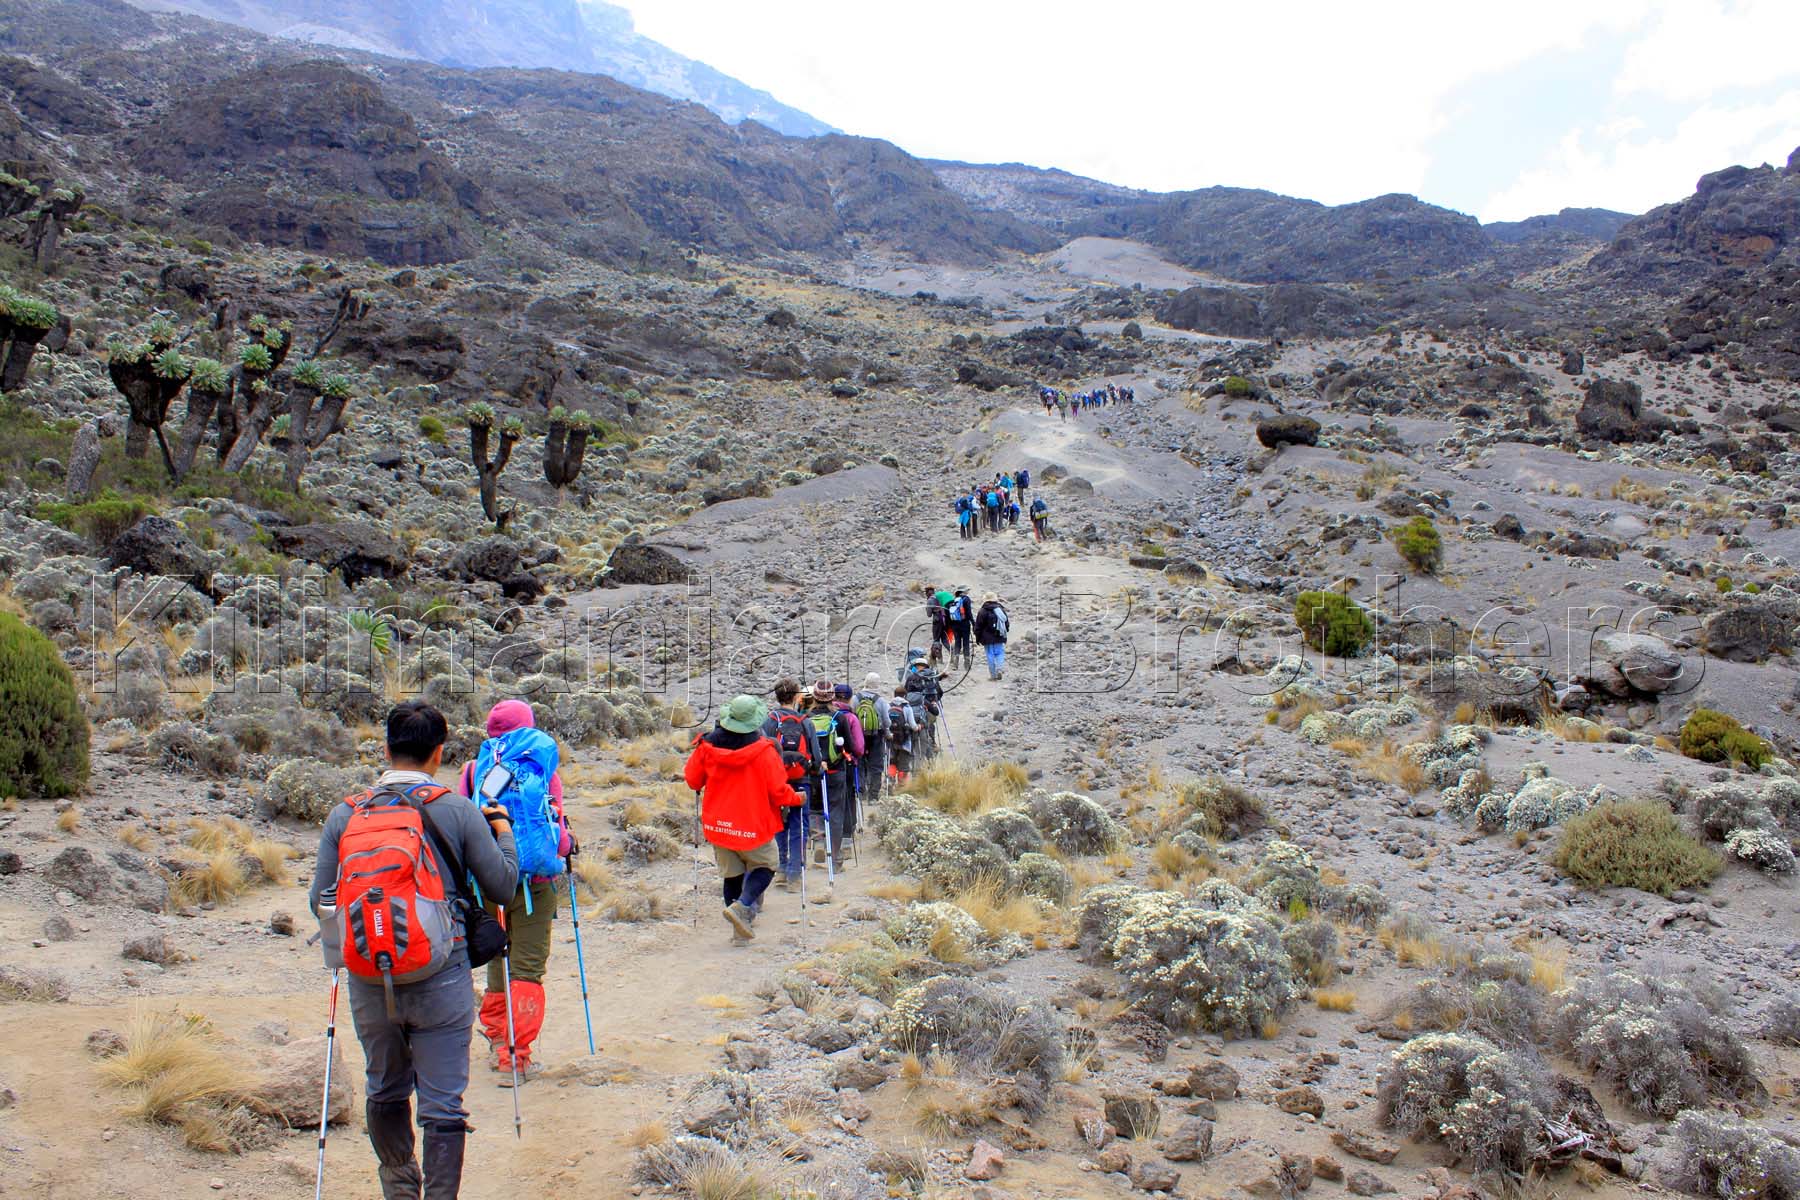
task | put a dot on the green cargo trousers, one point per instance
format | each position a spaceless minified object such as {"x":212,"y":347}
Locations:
{"x":530,"y":936}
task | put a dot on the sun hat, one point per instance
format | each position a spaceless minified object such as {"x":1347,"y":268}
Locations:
{"x":744,"y":714}
{"x":872,"y":679}
{"x":991,"y":598}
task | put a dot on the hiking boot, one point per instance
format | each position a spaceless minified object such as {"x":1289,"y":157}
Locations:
{"x":740,"y":918}
{"x":528,"y":1071}
{"x":444,"y":1161}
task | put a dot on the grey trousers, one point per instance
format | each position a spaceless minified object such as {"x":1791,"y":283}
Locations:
{"x":427,"y":1049}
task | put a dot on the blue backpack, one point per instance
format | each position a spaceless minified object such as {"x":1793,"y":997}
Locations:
{"x":530,"y":755}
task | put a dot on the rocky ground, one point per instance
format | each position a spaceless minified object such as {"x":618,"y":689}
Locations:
{"x":768,"y":494}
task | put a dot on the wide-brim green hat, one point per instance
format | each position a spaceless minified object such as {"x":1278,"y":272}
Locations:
{"x":744,"y":714}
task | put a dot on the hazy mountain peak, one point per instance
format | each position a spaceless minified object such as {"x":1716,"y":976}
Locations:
{"x":574,"y":35}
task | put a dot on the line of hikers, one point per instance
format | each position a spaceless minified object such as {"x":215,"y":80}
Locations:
{"x":1053,"y":399}
{"x":998,"y":505}
{"x":416,"y":884}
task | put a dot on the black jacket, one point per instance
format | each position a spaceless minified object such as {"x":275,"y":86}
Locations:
{"x":987,"y":626}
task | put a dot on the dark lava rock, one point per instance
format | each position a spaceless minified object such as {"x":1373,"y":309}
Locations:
{"x":159,"y":546}
{"x":494,"y":559}
{"x":357,"y":550}
{"x":1276,"y":432}
{"x":1614,"y":412}
{"x":643,"y":564}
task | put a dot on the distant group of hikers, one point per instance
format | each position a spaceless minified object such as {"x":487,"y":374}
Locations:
{"x":992,"y":507}
{"x":1054,"y":400}
{"x":416,"y":884}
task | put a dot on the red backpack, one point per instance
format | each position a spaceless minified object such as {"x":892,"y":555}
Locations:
{"x":790,"y":739}
{"x":396,"y":920}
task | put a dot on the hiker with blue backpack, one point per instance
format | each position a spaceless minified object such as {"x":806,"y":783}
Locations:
{"x":534,"y":794}
{"x":407,"y":925}
{"x":992,"y":624}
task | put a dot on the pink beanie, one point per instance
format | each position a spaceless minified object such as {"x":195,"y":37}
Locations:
{"x":509,"y":715}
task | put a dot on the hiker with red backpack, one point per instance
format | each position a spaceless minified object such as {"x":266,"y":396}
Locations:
{"x":744,"y":792}
{"x":961,"y":614}
{"x":393,"y":893}
{"x":799,"y":748}
{"x":531,"y":912}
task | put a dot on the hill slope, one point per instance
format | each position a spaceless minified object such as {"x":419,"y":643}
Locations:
{"x":574,"y":35}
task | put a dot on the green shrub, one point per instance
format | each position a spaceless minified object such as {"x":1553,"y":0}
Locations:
{"x":1420,"y":545}
{"x":1711,"y":736}
{"x":43,"y":732}
{"x":99,"y":520}
{"x":431,"y":428}
{"x":1723,"y":583}
{"x":1638,"y":845}
{"x":1237,"y":387}
{"x":1332,"y":623}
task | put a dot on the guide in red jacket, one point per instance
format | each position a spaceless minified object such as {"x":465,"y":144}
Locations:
{"x":743,"y":787}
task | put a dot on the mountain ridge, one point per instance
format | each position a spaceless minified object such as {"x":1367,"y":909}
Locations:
{"x":590,"y":36}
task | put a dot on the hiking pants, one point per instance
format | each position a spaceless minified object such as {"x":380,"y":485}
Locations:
{"x":426,"y":1049}
{"x":837,"y":784}
{"x":790,"y":843}
{"x":873,"y":770}
{"x":964,"y":647}
{"x":528,"y":934}
{"x":996,"y":657}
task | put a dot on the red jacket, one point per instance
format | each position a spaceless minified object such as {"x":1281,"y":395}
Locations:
{"x":742,"y":790}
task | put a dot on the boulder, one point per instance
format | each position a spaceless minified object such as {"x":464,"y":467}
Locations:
{"x":159,"y":546}
{"x":492,"y":559}
{"x":1302,"y":1099}
{"x":1192,"y":1142}
{"x":859,"y":1074}
{"x":1364,"y":1182}
{"x":1366,"y":1146}
{"x":78,"y":871}
{"x":1214,"y":1080}
{"x":640,"y":563}
{"x":1152,"y":1176}
{"x":1276,"y":432}
{"x":1091,"y":1127}
{"x":1132,"y":1111}
{"x":293,"y":1079}
{"x":356,"y":550}
{"x":986,"y":1161}
{"x":1256,"y":1169}
{"x":1613,"y":411}
{"x":1572,"y":362}
{"x":1625,"y":665}
{"x":1509,"y":527}
{"x":1749,"y":633}
{"x":151,"y":948}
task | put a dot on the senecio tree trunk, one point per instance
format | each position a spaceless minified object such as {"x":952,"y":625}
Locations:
{"x":315,"y":406}
{"x":565,"y":448}
{"x":24,"y":322}
{"x":45,"y":234}
{"x":487,"y":469}
{"x":243,"y":422}
{"x":210,"y":386}
{"x":149,"y":373}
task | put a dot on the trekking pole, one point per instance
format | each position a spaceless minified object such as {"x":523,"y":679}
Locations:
{"x":805,"y":849}
{"x":945,"y":721}
{"x":580,"y":962}
{"x":512,"y":1041}
{"x":830,"y":850}
{"x":694,"y":860}
{"x":325,"y":1099}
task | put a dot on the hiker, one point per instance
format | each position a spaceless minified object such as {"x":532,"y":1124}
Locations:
{"x":1062,"y":407}
{"x":744,"y":792}
{"x":1012,"y":514}
{"x":924,"y":695}
{"x":528,"y":931}
{"x":870,"y":704}
{"x":940,"y":624}
{"x":1040,"y":519}
{"x":961,"y":614}
{"x":799,"y":748}
{"x":902,"y":725}
{"x":840,"y":741}
{"x":991,"y":625}
{"x":410,"y":999}
{"x":1024,"y":481}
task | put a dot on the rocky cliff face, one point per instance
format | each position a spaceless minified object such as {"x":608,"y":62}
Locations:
{"x":1590,"y":224}
{"x":572,"y":35}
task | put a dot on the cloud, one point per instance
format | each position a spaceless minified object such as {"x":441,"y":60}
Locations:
{"x":1331,"y":101}
{"x":1621,"y":165}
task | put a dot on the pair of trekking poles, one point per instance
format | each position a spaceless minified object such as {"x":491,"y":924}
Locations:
{"x":511,"y":1039}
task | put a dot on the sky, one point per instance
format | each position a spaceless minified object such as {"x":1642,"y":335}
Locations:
{"x":1499,"y":110}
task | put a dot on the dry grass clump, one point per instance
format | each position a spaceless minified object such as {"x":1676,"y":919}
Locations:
{"x":220,"y":878}
{"x":175,"y":1073}
{"x":1386,"y":764}
{"x":136,"y":837}
{"x":650,"y":1133}
{"x":235,"y":858}
{"x":1000,"y":913}
{"x":634,"y":905}
{"x":1220,"y":809}
{"x":596,"y":877}
{"x":69,"y":819}
{"x":30,"y":983}
{"x":952,"y":787}
{"x":1335,"y":999}
{"x":708,"y":1170}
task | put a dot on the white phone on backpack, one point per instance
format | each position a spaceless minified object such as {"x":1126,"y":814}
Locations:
{"x":496,"y":781}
